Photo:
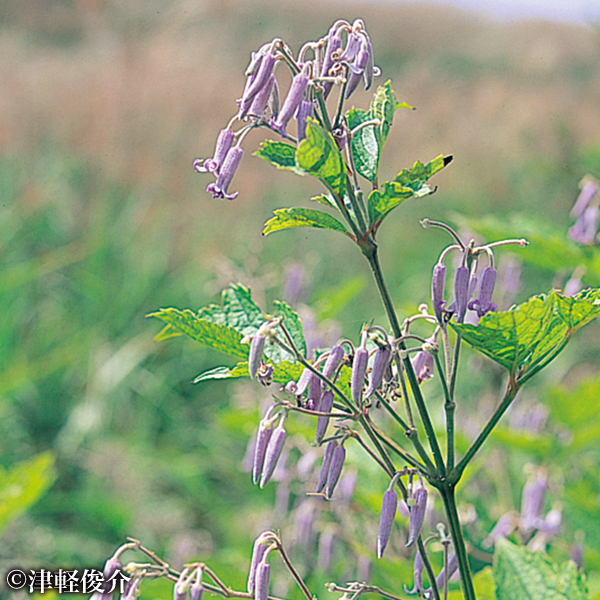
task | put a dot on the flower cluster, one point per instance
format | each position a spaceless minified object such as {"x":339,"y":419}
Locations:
{"x":343,"y":57}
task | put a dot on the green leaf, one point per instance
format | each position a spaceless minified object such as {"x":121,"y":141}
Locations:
{"x":22,"y":485}
{"x":279,"y":154}
{"x":383,"y":107}
{"x":408,"y":183}
{"x":365,"y":147}
{"x":524,"y":575}
{"x":282,"y":372}
{"x":527,"y":337}
{"x":319,"y":155}
{"x":292,"y":323}
{"x":288,"y":218}
{"x":219,"y":337}
{"x":325,"y":199}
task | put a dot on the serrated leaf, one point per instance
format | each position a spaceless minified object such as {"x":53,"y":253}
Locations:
{"x":293,"y":324}
{"x":289,"y":218}
{"x":520,"y":574}
{"x":279,"y":154}
{"x":527,"y":337}
{"x":383,"y":107}
{"x":23,"y":484}
{"x":219,"y":337}
{"x":282,"y":372}
{"x":319,"y":155}
{"x":365,"y":147}
{"x":408,"y":183}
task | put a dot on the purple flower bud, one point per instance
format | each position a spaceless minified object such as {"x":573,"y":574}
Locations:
{"x":111,"y":566}
{"x":359,"y":368}
{"x":437,"y":290}
{"x":550,"y":525}
{"x":230,"y":164}
{"x":533,"y":501}
{"x":586,"y":227}
{"x":305,"y":379}
{"x":417,"y":515}
{"x":305,"y":110}
{"x":382,"y":358}
{"x":213,"y":165}
{"x":257,"y":82}
{"x":389,"y":504}
{"x":483,"y":303}
{"x":258,"y":551}
{"x":333,"y":361}
{"x":196,"y":591}
{"x":257,"y":348}
{"x":265,"y":431}
{"x":461,"y":292}
{"x":358,"y":67}
{"x":329,"y":450}
{"x":315,"y":390}
{"x":263,"y":575}
{"x":583,"y":200}
{"x":322,"y":422}
{"x":334,"y":43}
{"x":423,"y":364}
{"x":351,"y":49}
{"x":572,"y":286}
{"x":370,"y":69}
{"x":292,"y":100}
{"x":272,"y":454}
{"x":418,"y":568}
{"x":180,"y":591}
{"x":261,"y":100}
{"x":335,"y":470}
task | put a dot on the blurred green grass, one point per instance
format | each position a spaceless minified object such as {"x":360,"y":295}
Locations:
{"x":104,"y":107}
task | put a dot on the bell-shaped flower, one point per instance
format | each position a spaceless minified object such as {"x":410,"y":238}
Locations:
{"x":325,"y":406}
{"x":263,"y":576}
{"x":389,"y":505}
{"x":589,"y":190}
{"x":423,"y":365}
{"x":483,"y":303}
{"x":304,"y":110}
{"x":585,"y":229}
{"x":272,"y":453}
{"x":418,"y":568}
{"x":438,"y":282}
{"x":258,"y":552}
{"x":265,"y":431}
{"x":333,"y":362}
{"x":256,"y":83}
{"x":292,"y":100}
{"x":382,"y":358}
{"x":257,"y":348}
{"x":213,"y":165}
{"x":335,"y":469}
{"x":334,"y":43}
{"x":219,"y":188}
{"x":324,"y":472}
{"x":417,"y":515}
{"x":260,"y":102}
{"x":357,"y":68}
{"x":359,"y":369}
{"x":461,"y":292}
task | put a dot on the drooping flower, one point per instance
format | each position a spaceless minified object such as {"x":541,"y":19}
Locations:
{"x":213,"y":165}
{"x":335,"y":469}
{"x":257,"y":348}
{"x":334,"y":43}
{"x":483,"y":303}
{"x":532,"y":501}
{"x":357,"y":68}
{"x":585,"y":229}
{"x":258,"y":551}
{"x":423,"y":365}
{"x":304,"y":110}
{"x":389,"y":505}
{"x":333,"y":362}
{"x":257,"y":81}
{"x":417,"y":515}
{"x":260,"y":102}
{"x":292,"y":100}
{"x":232,"y":160}
{"x":461,"y":292}
{"x":438,"y":282}
{"x":589,"y":190}
{"x":322,"y":421}
{"x":263,"y":576}
{"x":418,"y":568}
{"x":382,"y":358}
{"x":265,"y":431}
{"x":329,"y":450}
{"x":272,"y":453}
{"x":359,"y":368}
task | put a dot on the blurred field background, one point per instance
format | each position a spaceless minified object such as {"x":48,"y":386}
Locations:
{"x":103,"y":107}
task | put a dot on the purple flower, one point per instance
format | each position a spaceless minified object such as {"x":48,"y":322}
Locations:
{"x":533,"y":501}
{"x":258,"y":106}
{"x":322,"y":422}
{"x":417,"y":515}
{"x":335,"y":469}
{"x":212,"y":165}
{"x":262,"y":441}
{"x":256,"y":83}
{"x":359,"y":368}
{"x":382,"y":358}
{"x":583,"y":200}
{"x":219,"y":188}
{"x":423,"y":364}
{"x":263,"y":575}
{"x":305,"y":379}
{"x":258,"y":551}
{"x":315,"y":390}
{"x":265,"y":374}
{"x":419,"y":565}
{"x":586,"y":227}
{"x":357,"y":68}
{"x":272,"y":453}
{"x":502,"y":529}
{"x":292,"y":100}
{"x":196,"y":591}
{"x":389,"y":504}
{"x":461,"y":292}
{"x":452,"y":568}
{"x":483,"y":303}
{"x":550,"y":525}
{"x":329,"y":450}
{"x":333,"y":362}
{"x":334,"y":43}
{"x":257,"y":348}
{"x":305,"y":110}
{"x":437,"y":291}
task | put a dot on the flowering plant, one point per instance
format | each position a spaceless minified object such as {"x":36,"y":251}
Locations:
{"x":372,"y":391}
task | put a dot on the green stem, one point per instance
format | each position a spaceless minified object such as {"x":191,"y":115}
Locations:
{"x":323,"y":107}
{"x":509,"y":396}
{"x":364,"y":421}
{"x":449,"y":408}
{"x":448,"y":497}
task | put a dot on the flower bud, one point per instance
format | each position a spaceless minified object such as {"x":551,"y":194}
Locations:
{"x":329,"y":450}
{"x":483,"y":304}
{"x":257,"y":83}
{"x":292,"y":100}
{"x":333,"y":362}
{"x":263,"y":436}
{"x":533,"y":501}
{"x":359,"y":368}
{"x":417,"y":515}
{"x":358,"y":67}
{"x":418,"y":568}
{"x":272,"y":454}
{"x":461,"y":292}
{"x":585,"y":229}
{"x":257,"y":348}
{"x":389,"y":504}
{"x":196,"y":591}
{"x":382,"y":358}
{"x":315,"y":391}
{"x":322,"y":422}
{"x":258,"y":551}
{"x":303,"y":382}
{"x":334,"y":43}
{"x":305,"y":110}
{"x":583,"y":200}
{"x":437,"y":291}
{"x":232,"y":160}
{"x":263,"y":575}
{"x":223,"y":145}
{"x":258,"y":106}
{"x":335,"y":470}
{"x":423,"y":365}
